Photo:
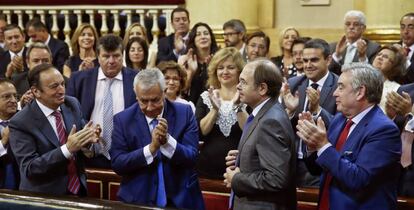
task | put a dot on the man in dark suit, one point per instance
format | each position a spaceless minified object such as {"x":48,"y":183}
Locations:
{"x":9,"y":170}
{"x":46,"y":137}
{"x":3,"y":24}
{"x":103,"y":92}
{"x":311,"y":92}
{"x":234,"y":35}
{"x":13,"y":60}
{"x":37,"y":31}
{"x":352,"y":47}
{"x":154,"y":148}
{"x":174,"y":45}
{"x":37,"y":53}
{"x":262,"y":173}
{"x":407,"y":42}
{"x":359,"y":156}
{"x":400,"y":105}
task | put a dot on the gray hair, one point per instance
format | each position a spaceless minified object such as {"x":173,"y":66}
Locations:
{"x":363,"y":74}
{"x":235,"y":24}
{"x":38,"y":45}
{"x":148,"y":78}
{"x":356,"y":13}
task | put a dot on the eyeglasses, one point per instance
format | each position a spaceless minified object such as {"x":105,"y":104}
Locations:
{"x":230,"y":33}
{"x":9,"y":96}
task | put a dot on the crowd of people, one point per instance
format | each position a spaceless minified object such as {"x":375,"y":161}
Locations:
{"x":336,"y":116}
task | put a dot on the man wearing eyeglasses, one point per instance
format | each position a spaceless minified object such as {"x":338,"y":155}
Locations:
{"x":9,"y":171}
{"x":234,"y":33}
{"x":352,"y":47}
{"x":311,"y":92}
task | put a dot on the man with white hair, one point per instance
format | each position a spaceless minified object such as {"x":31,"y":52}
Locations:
{"x":154,"y":148}
{"x":352,"y":47}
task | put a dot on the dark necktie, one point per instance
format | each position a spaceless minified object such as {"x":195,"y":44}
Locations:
{"x":161,"y":200}
{"x":407,"y":51}
{"x":73,"y":183}
{"x":324,"y":205}
{"x":245,"y":129}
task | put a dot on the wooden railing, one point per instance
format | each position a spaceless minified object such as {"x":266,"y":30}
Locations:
{"x":116,"y":14}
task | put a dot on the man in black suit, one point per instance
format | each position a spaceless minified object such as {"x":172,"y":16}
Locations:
{"x":174,"y":45}
{"x":311,"y":92}
{"x":407,"y":41}
{"x":13,"y":60}
{"x":47,"y":137}
{"x":352,"y":47}
{"x":3,"y":24}
{"x":37,"y":31}
{"x":9,"y":171}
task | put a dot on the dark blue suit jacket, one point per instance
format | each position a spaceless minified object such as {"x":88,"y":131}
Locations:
{"x":165,"y":49}
{"x":365,"y":172}
{"x":139,"y":180}
{"x":5,"y":60}
{"x":82,"y":85}
{"x":60,"y":52}
{"x":43,"y":167}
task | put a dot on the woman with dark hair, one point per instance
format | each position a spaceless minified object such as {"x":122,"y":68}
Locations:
{"x":83,"y":44}
{"x":136,"y":54}
{"x":138,"y":30}
{"x":175,"y":78}
{"x":201,"y":47}
{"x":391,"y":62}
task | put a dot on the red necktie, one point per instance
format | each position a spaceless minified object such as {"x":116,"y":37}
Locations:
{"x":324,"y":204}
{"x":407,"y":51}
{"x":73,"y":183}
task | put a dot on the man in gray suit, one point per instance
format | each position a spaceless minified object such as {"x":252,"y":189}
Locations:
{"x":262,"y":173}
{"x":352,"y":47}
{"x":46,"y":137}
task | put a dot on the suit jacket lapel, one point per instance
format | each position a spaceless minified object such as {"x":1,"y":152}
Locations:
{"x":255,"y":121}
{"x":326,"y":89}
{"x":127,"y":88}
{"x":90,"y":87}
{"x":142,"y":130}
{"x":43,"y":124}
{"x":302,"y":95}
{"x":169,"y":115}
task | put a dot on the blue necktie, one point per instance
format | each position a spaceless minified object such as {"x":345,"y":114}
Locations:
{"x":245,"y":129}
{"x":161,"y":200}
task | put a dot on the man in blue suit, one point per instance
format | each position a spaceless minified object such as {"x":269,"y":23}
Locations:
{"x":154,"y":148}
{"x":110,"y":83}
{"x":359,"y":157}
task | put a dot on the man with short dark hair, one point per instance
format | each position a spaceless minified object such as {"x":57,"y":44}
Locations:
{"x":359,"y":155}
{"x":103,"y":92}
{"x":9,"y":170}
{"x":311,"y":92}
{"x":234,"y":33}
{"x":38,"y":32}
{"x":297,"y":54}
{"x":47,"y":136}
{"x":13,"y":60}
{"x":154,"y":148}
{"x":174,"y":45}
{"x":407,"y":42}
{"x":261,"y":173}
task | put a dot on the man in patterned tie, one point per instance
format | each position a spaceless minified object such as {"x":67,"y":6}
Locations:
{"x":359,"y":155}
{"x":154,"y":148}
{"x":9,"y":171}
{"x":103,"y":92}
{"x":47,"y":136}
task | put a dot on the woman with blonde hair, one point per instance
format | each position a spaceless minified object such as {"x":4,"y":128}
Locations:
{"x":220,"y":115}
{"x":83,"y":44}
{"x":138,"y":30}
{"x":285,"y":61}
